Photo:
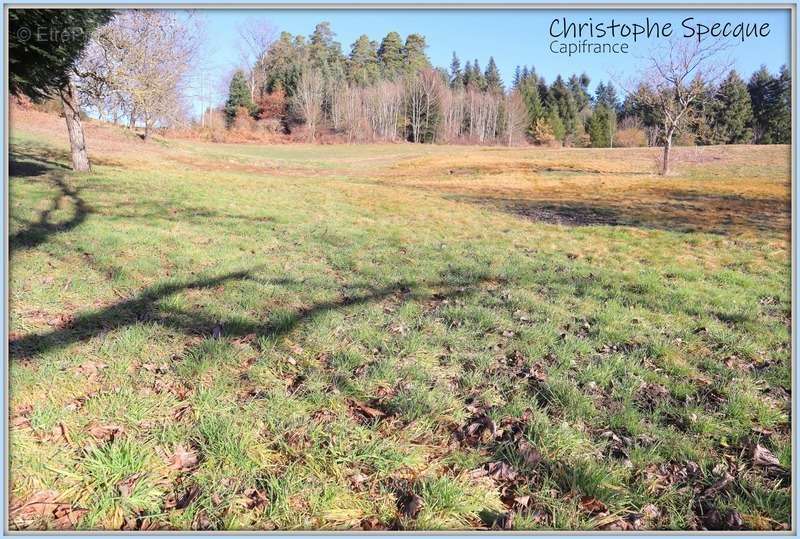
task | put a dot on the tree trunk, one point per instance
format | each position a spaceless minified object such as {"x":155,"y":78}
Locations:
{"x":665,"y":160}
{"x":77,"y":142}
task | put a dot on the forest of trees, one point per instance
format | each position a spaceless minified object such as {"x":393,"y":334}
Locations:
{"x":134,"y":66}
{"x":389,"y":91}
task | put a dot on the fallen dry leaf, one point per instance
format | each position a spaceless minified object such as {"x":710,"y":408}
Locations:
{"x":718,"y":485}
{"x":106,"y":433}
{"x":181,"y":501}
{"x":530,"y":455}
{"x":255,"y":498}
{"x":183,"y":459}
{"x":90,"y":369}
{"x":522,"y":501}
{"x":182,"y":411}
{"x":714,"y":519}
{"x":499,"y":470}
{"x":592,"y":505}
{"x":45,"y":505}
{"x":764,"y":457}
{"x":366,"y":412}
{"x":480,"y":429}
{"x":125,"y":486}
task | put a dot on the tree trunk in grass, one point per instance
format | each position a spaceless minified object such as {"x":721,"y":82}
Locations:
{"x":667,"y":149}
{"x":77,"y":142}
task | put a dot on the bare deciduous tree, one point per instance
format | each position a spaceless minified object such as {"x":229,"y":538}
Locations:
{"x":308,"y":98}
{"x":138,"y":63}
{"x":257,"y":36}
{"x":453,"y":115}
{"x":515,"y":119}
{"x":383,"y":105}
{"x":484,"y":110}
{"x":673,"y":81}
{"x":424,"y":96}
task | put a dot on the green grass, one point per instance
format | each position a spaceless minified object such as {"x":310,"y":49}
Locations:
{"x":367,"y":317}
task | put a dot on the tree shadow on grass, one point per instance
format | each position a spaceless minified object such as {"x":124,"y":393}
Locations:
{"x":26,"y":164}
{"x":672,"y":210}
{"x":145,"y":308}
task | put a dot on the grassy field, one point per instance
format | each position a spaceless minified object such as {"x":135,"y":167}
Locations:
{"x":397,"y":337}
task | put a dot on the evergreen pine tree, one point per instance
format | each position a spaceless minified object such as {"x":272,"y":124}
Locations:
{"x":529,"y":90}
{"x":390,"y":55}
{"x":324,"y":53}
{"x":556,"y":125}
{"x":517,"y":78}
{"x":414,"y":56}
{"x":600,"y":127}
{"x":606,"y":95}
{"x":492,"y":77}
{"x":579,"y":86}
{"x":761,"y":89}
{"x":468,"y":75}
{"x":781,"y":117}
{"x":238,"y":97}
{"x":732,"y":113}
{"x":42,"y":68}
{"x":362,"y":66}
{"x":477,"y":76}
{"x":564,"y":103}
{"x":456,"y":76}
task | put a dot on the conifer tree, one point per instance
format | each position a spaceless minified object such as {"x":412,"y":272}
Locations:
{"x":564,"y":103}
{"x":456,"y":76}
{"x":468,"y":75}
{"x":732,"y":112}
{"x":600,"y":127}
{"x":771,"y":104}
{"x":362,"y":65}
{"x":579,"y":86}
{"x":414,"y":57}
{"x":477,"y":76}
{"x":556,"y":125}
{"x":492,"y":77}
{"x":517,"y":78}
{"x":390,"y":55}
{"x":238,"y":97}
{"x":781,"y":124}
{"x":606,"y":95}
{"x":324,"y":53}
{"x":43,"y":68}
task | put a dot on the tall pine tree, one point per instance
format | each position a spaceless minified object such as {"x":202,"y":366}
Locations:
{"x":414,"y":56}
{"x":238,"y":97}
{"x":362,"y":66}
{"x":492,"y":77}
{"x":732,"y":112}
{"x":390,"y":55}
{"x":456,"y":76}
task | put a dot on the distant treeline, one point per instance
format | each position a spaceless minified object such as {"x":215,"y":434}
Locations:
{"x":389,"y":90}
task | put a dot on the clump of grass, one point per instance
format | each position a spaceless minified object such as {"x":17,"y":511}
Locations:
{"x":123,"y":478}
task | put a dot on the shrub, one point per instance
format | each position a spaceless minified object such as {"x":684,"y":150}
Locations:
{"x":542,"y":133}
{"x":272,"y":106}
{"x":630,"y":137}
{"x":270,"y":126}
{"x":243,"y":121}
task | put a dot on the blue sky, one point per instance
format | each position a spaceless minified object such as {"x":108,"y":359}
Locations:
{"x":513,"y":37}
